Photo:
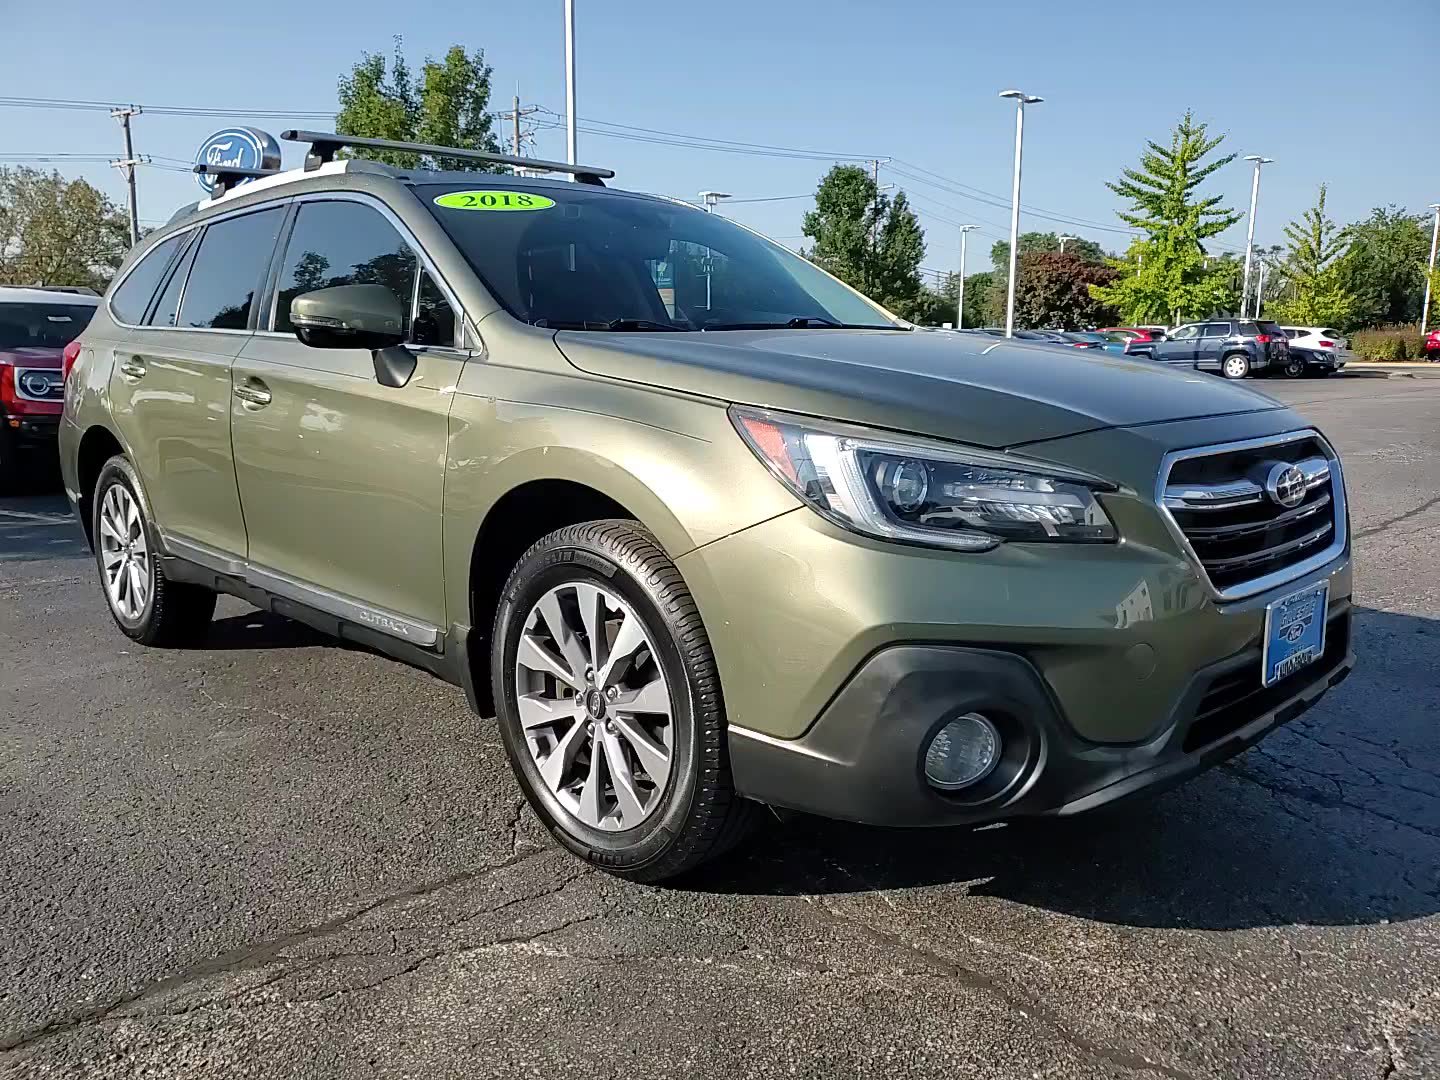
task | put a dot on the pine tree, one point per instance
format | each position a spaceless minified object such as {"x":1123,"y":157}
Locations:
{"x":1163,"y":274}
{"x":1319,"y":295}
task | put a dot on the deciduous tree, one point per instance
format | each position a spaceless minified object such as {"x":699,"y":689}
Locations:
{"x":1317,"y":293}
{"x":1385,"y":266}
{"x":55,"y":231}
{"x":1054,"y":289}
{"x":1163,"y":275}
{"x":848,"y":211}
{"x":447,"y":105}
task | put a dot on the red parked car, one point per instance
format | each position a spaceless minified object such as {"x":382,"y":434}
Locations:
{"x":1134,"y":333}
{"x":1432,"y":346}
{"x":36,"y":326}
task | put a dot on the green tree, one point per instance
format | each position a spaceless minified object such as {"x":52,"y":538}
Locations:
{"x":1053,"y":289}
{"x":1164,"y":274}
{"x":848,"y":212}
{"x":1385,"y":266}
{"x":1088,"y":250}
{"x":980,"y":299}
{"x":447,"y":105}
{"x":55,"y":231}
{"x":1316,"y":292}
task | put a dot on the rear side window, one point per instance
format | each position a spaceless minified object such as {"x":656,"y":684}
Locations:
{"x":1273,"y":329}
{"x":1216,"y":329}
{"x":164,"y":311}
{"x":228,"y":270}
{"x":1331,"y":333}
{"x":345,"y":243}
{"x":131,"y":299}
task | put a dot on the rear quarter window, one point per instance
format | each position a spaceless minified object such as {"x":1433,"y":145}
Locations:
{"x":130,"y":301}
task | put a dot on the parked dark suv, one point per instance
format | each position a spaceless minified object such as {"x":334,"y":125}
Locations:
{"x":1233,"y":347}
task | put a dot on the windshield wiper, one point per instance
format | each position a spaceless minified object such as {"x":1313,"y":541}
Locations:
{"x":613,"y":324}
{"x":800,"y":322}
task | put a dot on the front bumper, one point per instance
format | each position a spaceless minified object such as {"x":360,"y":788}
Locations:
{"x":38,"y":430}
{"x":863,"y":759}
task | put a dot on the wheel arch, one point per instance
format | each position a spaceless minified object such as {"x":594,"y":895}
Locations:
{"x":97,"y":446}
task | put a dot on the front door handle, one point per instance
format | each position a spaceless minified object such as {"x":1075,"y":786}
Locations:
{"x":253,"y":393}
{"x":133,"y":368}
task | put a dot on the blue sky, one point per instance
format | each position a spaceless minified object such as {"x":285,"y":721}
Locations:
{"x":1335,"y":92}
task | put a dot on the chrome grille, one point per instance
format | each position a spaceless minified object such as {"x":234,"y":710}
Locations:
{"x":1246,"y":540}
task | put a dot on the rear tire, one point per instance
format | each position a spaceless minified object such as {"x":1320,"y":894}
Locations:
{"x":146,"y":605}
{"x":1235,"y":366}
{"x":644,"y":793}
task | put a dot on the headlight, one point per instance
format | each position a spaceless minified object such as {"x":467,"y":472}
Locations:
{"x":896,"y":487}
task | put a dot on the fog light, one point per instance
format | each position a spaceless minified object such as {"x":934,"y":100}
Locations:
{"x":962,"y":753}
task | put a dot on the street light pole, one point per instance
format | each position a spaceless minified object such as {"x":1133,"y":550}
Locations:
{"x":1250,"y":229}
{"x":571,"y":157}
{"x":1434,"y":239}
{"x":711,"y":199}
{"x":1021,"y":100}
{"x":960,"y":304}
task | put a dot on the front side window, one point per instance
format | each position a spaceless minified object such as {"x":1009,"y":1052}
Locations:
{"x":228,"y":271}
{"x":1185,"y":333}
{"x":344,"y":243}
{"x":592,"y":259}
{"x":42,"y":326}
{"x":130,"y":300}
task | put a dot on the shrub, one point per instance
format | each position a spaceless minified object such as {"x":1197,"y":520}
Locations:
{"x":1388,"y":344}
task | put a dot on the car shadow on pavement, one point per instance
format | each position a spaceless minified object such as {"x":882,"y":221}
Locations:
{"x":264,"y":630}
{"x":1332,"y":820}
{"x":39,"y":526}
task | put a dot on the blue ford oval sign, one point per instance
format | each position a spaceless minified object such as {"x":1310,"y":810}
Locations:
{"x":238,"y":147}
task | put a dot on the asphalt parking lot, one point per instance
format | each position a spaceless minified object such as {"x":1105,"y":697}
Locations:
{"x":275,"y":856}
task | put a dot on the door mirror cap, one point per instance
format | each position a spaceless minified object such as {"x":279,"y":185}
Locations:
{"x":348,"y":317}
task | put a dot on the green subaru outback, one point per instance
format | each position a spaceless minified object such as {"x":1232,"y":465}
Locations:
{"x":702,"y":527}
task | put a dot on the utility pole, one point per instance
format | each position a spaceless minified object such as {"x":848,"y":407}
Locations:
{"x":1021,"y":100}
{"x":1434,"y":239}
{"x":875,"y":164}
{"x":515,"y":114}
{"x":127,"y":166}
{"x":570,"y":82}
{"x":1250,"y":228}
{"x":1063,"y":240}
{"x":960,"y":304}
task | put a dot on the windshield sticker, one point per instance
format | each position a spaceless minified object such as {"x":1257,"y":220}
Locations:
{"x":493,"y":200}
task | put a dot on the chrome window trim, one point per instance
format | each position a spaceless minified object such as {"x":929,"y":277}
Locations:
{"x":1276,"y":578}
{"x":302,"y":592}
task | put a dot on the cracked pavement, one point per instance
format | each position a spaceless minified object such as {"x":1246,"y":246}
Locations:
{"x":279,"y":857}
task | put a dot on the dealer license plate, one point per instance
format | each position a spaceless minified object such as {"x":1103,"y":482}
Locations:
{"x":1295,"y":632}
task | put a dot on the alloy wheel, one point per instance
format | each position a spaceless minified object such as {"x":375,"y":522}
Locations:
{"x":595,"y":708}
{"x":124,"y":553}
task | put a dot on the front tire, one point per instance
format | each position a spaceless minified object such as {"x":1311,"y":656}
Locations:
{"x":609,"y":703}
{"x":1235,"y":366}
{"x":1293,"y":368}
{"x":146,"y":605}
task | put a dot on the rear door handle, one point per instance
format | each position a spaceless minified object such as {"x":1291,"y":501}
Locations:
{"x":133,"y":368}
{"x":254,"y":393}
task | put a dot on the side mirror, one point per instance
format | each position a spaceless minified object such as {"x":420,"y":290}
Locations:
{"x":348,"y":317}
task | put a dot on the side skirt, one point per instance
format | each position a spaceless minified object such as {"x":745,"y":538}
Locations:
{"x":449,"y":660}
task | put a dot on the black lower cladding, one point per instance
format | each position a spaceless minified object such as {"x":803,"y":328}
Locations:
{"x":862,"y":759}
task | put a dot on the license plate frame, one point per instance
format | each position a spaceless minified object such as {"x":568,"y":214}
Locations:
{"x":1294,"y":632}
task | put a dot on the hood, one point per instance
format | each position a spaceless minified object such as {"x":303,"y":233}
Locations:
{"x":32,"y":356}
{"x":978,"y":390}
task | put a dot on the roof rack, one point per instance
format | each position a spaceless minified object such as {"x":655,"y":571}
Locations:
{"x":227,"y":176}
{"x":324,"y":144}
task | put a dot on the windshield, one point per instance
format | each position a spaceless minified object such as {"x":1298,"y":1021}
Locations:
{"x":44,"y":326}
{"x":601,"y":260}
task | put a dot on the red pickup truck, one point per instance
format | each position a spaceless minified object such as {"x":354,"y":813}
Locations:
{"x":35,"y":327}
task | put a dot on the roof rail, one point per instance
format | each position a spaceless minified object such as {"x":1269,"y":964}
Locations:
{"x":227,"y":176}
{"x":324,"y":144}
